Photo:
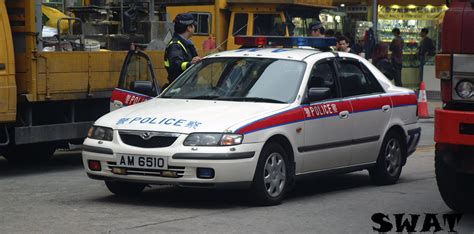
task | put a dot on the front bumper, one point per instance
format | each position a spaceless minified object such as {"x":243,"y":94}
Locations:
{"x":234,"y":165}
{"x":454,"y":127}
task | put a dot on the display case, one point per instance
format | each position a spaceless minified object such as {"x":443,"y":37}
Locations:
{"x":410,"y":20}
{"x":410,"y":32}
{"x":361,"y":28}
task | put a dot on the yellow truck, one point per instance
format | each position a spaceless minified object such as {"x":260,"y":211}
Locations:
{"x":50,"y":98}
{"x":222,"y":20}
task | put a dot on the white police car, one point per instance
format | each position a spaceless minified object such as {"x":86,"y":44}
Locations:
{"x":258,"y":119}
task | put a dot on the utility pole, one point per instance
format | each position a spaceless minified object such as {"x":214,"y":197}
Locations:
{"x":375,"y":8}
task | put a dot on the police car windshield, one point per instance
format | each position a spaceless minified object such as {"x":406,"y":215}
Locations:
{"x":240,"y":79}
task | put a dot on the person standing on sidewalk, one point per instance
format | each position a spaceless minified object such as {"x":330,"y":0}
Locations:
{"x":180,"y":53}
{"x":426,"y":49}
{"x":396,"y":47}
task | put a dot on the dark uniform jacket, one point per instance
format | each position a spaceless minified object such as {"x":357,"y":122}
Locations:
{"x":178,"y":56}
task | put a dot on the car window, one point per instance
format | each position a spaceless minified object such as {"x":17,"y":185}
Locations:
{"x":203,"y":22}
{"x":323,"y":76}
{"x":354,"y":81}
{"x":241,"y":79}
{"x":268,"y":24}
{"x":240,"y":24}
{"x":137,"y":70}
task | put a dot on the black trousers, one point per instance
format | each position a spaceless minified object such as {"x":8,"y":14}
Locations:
{"x":398,"y":71}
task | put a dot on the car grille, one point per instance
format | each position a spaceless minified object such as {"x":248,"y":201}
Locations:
{"x":178,"y":172}
{"x":145,"y":139}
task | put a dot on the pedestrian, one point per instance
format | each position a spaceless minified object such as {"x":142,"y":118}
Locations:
{"x":317,"y":30}
{"x":382,"y":62}
{"x":343,"y":44}
{"x":358,"y":47}
{"x":396,"y":47}
{"x":180,"y":52}
{"x":425,"y":49}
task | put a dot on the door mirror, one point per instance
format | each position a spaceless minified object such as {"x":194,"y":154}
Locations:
{"x":144,"y":87}
{"x":318,"y":94}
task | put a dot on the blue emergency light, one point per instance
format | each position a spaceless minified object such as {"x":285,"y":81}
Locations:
{"x":256,"y":41}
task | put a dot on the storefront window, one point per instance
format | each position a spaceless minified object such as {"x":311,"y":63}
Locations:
{"x":410,"y":20}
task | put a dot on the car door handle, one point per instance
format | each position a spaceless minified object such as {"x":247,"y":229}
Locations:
{"x":2,"y":66}
{"x":386,"y":108}
{"x":344,"y":114}
{"x":118,"y":104}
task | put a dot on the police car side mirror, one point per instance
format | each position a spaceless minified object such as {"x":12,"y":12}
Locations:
{"x":144,"y":87}
{"x":318,"y":94}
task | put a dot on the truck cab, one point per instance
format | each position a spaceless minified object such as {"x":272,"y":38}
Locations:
{"x":7,"y":73}
{"x":220,"y":21}
{"x":454,"y":123}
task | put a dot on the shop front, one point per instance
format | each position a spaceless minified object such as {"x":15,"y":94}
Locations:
{"x":410,"y":17}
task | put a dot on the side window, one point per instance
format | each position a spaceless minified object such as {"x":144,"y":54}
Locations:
{"x":268,"y":24}
{"x":323,"y":76}
{"x":137,"y":70}
{"x":203,"y":23}
{"x":240,"y":24}
{"x":354,"y":82}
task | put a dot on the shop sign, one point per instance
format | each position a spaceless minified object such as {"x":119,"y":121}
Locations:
{"x":411,"y":12}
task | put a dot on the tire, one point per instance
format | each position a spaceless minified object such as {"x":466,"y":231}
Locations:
{"x":272,"y":176}
{"x":29,"y":153}
{"x":389,"y":163}
{"x":455,"y":188}
{"x":125,"y":189}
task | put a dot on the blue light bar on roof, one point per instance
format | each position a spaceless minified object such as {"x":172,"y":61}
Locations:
{"x":256,"y":41}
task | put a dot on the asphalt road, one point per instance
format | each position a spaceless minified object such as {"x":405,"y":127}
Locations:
{"x":57,"y":197}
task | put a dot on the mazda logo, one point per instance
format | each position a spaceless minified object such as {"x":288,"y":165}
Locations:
{"x":146,"y":135}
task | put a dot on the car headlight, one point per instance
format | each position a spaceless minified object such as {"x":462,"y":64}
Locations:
{"x":464,"y":89}
{"x":101,"y":133}
{"x":213,"y":139}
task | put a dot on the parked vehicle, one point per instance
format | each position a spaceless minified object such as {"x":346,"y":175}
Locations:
{"x":454,"y":125}
{"x":258,"y":118}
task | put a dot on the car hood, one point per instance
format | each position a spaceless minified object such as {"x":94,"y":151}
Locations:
{"x":186,"y":116}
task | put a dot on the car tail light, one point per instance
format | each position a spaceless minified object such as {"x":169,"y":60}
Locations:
{"x":443,"y":66}
{"x":94,"y":165}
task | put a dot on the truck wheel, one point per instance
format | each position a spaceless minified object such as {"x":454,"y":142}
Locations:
{"x":272,"y":176}
{"x":29,"y":153}
{"x":125,"y":189}
{"x":389,"y":165}
{"x":455,"y":188}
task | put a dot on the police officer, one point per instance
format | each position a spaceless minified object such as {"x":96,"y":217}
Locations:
{"x":316,"y":29}
{"x":180,"y":53}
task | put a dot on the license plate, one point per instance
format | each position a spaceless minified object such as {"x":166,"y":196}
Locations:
{"x":139,"y":161}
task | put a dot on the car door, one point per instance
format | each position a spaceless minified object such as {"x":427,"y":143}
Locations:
{"x":137,"y":81}
{"x":371,"y":109}
{"x":327,"y":128}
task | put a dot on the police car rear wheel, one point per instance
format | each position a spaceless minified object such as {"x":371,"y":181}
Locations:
{"x":124,"y":188}
{"x":271,"y":176}
{"x":390,"y":160}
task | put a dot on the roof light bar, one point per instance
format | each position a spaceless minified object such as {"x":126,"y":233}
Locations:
{"x":255,"y":41}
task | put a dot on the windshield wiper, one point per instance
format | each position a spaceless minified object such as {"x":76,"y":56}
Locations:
{"x":250,"y":99}
{"x":204,"y":97}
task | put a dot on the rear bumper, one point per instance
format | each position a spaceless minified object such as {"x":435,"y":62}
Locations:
{"x":454,"y":127}
{"x":413,"y":139}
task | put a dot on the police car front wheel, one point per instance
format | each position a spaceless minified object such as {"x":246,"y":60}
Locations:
{"x":271,"y":176}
